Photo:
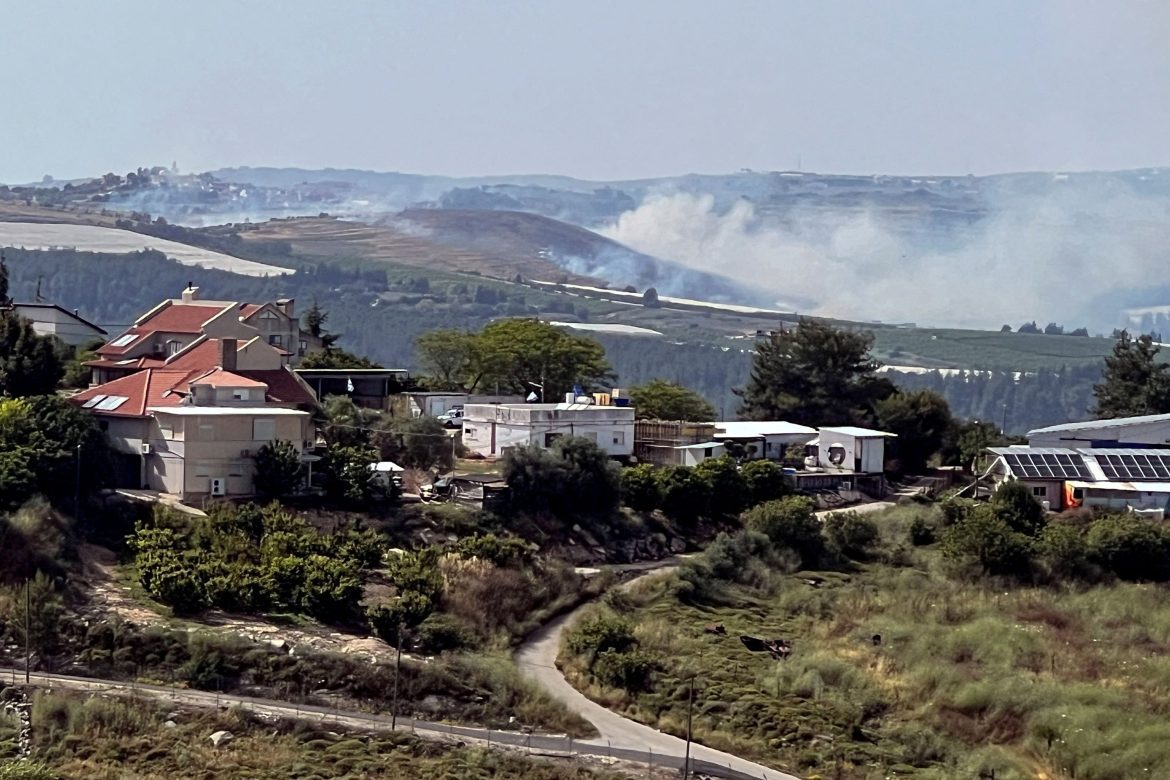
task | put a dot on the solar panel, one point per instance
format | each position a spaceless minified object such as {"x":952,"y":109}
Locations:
{"x":1046,"y":465}
{"x":112,"y":402}
{"x":1134,"y":467}
{"x":97,"y":399}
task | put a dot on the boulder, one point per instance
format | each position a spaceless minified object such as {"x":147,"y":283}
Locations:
{"x":221,"y":738}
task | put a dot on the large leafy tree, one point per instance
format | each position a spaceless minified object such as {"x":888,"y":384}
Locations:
{"x":515,"y":353}
{"x":573,"y":479}
{"x":814,"y":374}
{"x":314,"y":321}
{"x":279,"y":471}
{"x":662,"y":400}
{"x":29,"y":364}
{"x":921,"y":420}
{"x":447,"y":357}
{"x":1135,"y":382}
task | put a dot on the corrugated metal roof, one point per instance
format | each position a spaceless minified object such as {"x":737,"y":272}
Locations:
{"x":1094,"y":425}
{"x":752,"y":428}
{"x":859,"y":433}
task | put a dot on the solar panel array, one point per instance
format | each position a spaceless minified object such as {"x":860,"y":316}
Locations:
{"x":1133,"y":466}
{"x":1047,"y":465}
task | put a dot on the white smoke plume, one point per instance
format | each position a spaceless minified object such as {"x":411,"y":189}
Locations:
{"x":1028,"y":256}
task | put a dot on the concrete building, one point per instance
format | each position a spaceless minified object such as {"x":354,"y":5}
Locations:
{"x":1147,"y":431}
{"x":49,"y":319}
{"x":853,"y":450}
{"x":192,"y":427}
{"x":433,"y":403}
{"x":490,"y":429}
{"x":1109,"y":478}
{"x":766,"y":439}
{"x":666,"y":442}
{"x":177,"y":323}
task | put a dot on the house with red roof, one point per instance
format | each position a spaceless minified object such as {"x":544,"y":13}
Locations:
{"x":176,"y":323}
{"x":190,"y":423}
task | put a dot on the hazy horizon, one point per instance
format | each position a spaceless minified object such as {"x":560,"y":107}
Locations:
{"x":601,"y":91}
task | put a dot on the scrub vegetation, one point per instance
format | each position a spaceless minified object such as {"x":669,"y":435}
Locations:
{"x":907,"y":660}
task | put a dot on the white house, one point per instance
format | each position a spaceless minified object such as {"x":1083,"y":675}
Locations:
{"x":490,"y":429}
{"x":49,"y":319}
{"x":852,"y":449}
{"x":694,"y":454}
{"x":1151,"y":430}
{"x":764,"y":439}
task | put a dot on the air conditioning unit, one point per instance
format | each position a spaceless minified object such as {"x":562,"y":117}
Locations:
{"x":146,"y":448}
{"x":218,"y":486}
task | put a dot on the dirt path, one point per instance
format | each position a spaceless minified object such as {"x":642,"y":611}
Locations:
{"x":536,"y":659}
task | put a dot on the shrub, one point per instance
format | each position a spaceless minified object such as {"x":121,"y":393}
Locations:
{"x":729,"y":491}
{"x":348,"y":476}
{"x":1130,"y":547}
{"x":575,"y":479}
{"x":686,"y":493}
{"x":598,"y":633}
{"x":1064,"y":550}
{"x":765,"y":481}
{"x":506,"y":551}
{"x":985,"y":538}
{"x":630,"y":670}
{"x":789,"y":522}
{"x":442,"y":633}
{"x":1014,"y":504}
{"x":922,"y":532}
{"x":640,"y":488}
{"x":279,"y":471}
{"x":850,"y":534}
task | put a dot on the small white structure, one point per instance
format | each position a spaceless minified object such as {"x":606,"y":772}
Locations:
{"x":490,"y":429}
{"x":49,"y":319}
{"x":694,"y":454}
{"x":851,"y":449}
{"x":769,"y":438}
{"x":1148,"y":430}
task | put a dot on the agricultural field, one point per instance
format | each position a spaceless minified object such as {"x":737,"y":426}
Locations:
{"x":971,"y":676}
{"x":94,"y":238}
{"x":91,"y":738}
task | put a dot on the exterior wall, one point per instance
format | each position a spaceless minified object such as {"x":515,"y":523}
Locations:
{"x":1155,"y":434}
{"x":256,"y":356}
{"x":48,"y":321}
{"x":862,"y":455}
{"x":282,"y":331}
{"x":489,"y":430}
{"x":693,"y":457}
{"x":1048,"y":490}
{"x":191,"y":450}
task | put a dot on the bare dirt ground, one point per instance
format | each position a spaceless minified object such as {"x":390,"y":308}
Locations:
{"x":110,"y":597}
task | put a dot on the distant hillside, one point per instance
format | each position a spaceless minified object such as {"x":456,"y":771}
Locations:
{"x":574,"y":249}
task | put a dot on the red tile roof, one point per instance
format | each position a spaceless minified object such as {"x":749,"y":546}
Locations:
{"x":143,"y":389}
{"x":173,"y":318}
{"x":201,"y":355}
{"x":221,"y":378}
{"x":284,"y":387}
{"x":128,"y":364}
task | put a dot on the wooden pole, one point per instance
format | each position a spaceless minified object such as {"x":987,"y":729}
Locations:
{"x":397,"y":666}
{"x":690,"y":708}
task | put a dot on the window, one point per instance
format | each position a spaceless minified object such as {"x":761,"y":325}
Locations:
{"x":173,"y":346}
{"x":1040,"y":491}
{"x":304,"y":347}
{"x":202,"y":469}
{"x":263,"y":430}
{"x":469,"y":433}
{"x":549,"y":438}
{"x":708,"y":451}
{"x":268,"y":317}
{"x":167,"y":427}
{"x":237,"y":469}
{"x":619,"y":437}
{"x":276,"y":340}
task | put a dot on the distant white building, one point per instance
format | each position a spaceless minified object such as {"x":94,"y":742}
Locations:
{"x":49,"y":319}
{"x":852,"y":449}
{"x":1152,"y":430}
{"x":490,"y":429}
{"x":764,"y":439}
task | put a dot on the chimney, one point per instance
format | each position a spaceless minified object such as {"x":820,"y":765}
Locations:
{"x":227,"y":354}
{"x":286,"y":306}
{"x":191,"y":293}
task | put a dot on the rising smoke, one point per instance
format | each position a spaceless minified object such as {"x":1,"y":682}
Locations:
{"x":1022,"y":253}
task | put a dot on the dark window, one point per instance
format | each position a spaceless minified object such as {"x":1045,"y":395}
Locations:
{"x":276,"y":340}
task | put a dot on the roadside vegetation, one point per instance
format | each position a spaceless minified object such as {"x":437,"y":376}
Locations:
{"x":1012,"y":645}
{"x":92,"y":738}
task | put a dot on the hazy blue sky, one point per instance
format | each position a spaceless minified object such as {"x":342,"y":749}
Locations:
{"x":592,"y":89}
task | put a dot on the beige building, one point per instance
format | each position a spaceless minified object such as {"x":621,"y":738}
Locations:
{"x":192,"y":428}
{"x":49,"y":319}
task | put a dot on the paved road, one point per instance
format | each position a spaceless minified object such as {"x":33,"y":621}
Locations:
{"x":535,"y":744}
{"x":537,"y":661}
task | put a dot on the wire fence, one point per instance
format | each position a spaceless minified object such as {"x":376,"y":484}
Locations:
{"x":556,"y":746}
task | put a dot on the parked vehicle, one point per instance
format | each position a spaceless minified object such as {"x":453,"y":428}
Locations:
{"x":452,"y":418}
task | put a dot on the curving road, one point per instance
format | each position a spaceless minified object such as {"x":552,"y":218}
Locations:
{"x":536,"y":659}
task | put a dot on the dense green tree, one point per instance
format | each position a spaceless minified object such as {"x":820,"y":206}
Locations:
{"x":662,"y":400}
{"x":346,"y":423}
{"x":447,"y":357}
{"x":686,"y":493}
{"x":921,"y":421}
{"x":640,"y":489}
{"x":29,"y":364}
{"x":279,"y":471}
{"x":314,"y":322}
{"x":729,"y":490}
{"x":336,"y":358}
{"x":573,"y":479}
{"x":1135,"y":382}
{"x":348,"y":476}
{"x":789,"y":522}
{"x":814,"y":374}
{"x":765,"y":481}
{"x":850,"y":534}
{"x":417,"y":443}
{"x":1014,"y":504}
{"x":985,"y":539}
{"x":45,"y":608}
{"x":513,"y":354}
{"x":1131,"y":547}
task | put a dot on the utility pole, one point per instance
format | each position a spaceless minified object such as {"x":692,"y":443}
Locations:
{"x":27,"y":632}
{"x":397,"y":667}
{"x":690,"y":709}
{"x":77,"y":487}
